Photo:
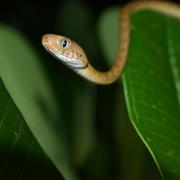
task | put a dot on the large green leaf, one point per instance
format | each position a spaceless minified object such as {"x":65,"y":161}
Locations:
{"x":151,"y":82}
{"x":21,"y":157}
{"x":25,"y":79}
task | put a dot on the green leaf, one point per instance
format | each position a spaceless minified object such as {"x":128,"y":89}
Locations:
{"x":24,"y":77}
{"x":140,"y":162}
{"x":151,"y":82}
{"x":21,"y":157}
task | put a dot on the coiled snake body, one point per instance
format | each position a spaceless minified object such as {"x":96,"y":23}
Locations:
{"x":71,"y":54}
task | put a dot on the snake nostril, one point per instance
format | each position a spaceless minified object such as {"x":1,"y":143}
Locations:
{"x":45,"y":40}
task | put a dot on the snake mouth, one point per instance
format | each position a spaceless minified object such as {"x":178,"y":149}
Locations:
{"x":71,"y":62}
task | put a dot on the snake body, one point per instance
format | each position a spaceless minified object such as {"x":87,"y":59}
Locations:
{"x":71,"y":54}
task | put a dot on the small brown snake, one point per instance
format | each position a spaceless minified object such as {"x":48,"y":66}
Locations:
{"x":71,"y":54}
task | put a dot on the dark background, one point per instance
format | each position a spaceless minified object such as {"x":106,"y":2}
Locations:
{"x":35,"y":18}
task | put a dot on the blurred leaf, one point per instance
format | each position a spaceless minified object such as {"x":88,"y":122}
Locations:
{"x":73,"y":17}
{"x":151,"y":83}
{"x":21,"y":157}
{"x":80,"y":19}
{"x":27,"y":84}
{"x":84,"y":130}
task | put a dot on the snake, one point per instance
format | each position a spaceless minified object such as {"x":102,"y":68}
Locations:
{"x":71,"y":53}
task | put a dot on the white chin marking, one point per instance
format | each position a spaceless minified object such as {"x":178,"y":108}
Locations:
{"x":73,"y":63}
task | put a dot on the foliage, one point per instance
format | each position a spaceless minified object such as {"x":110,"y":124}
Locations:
{"x":54,"y":125}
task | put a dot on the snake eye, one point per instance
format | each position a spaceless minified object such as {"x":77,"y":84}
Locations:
{"x":64,"y":43}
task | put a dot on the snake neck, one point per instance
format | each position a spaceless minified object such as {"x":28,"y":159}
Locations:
{"x":112,"y":75}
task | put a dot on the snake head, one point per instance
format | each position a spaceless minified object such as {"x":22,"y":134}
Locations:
{"x":65,"y":50}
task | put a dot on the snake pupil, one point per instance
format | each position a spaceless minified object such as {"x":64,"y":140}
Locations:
{"x":64,"y":43}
